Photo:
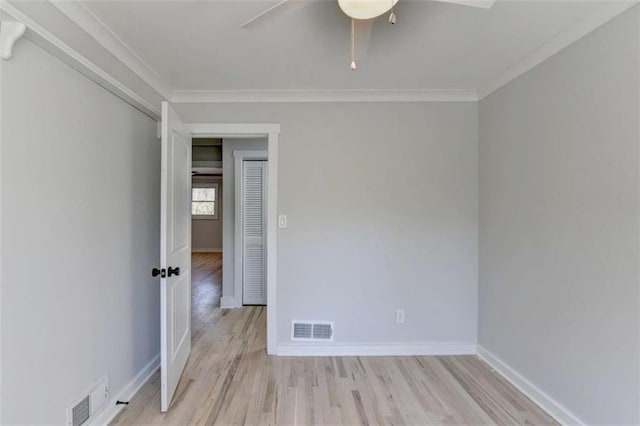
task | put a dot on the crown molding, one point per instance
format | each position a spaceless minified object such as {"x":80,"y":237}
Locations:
{"x":96,"y":29}
{"x":52,"y":44}
{"x":563,"y":40}
{"x":100,"y":32}
{"x":270,"y":96}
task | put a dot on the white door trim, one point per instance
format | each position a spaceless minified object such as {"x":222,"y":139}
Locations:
{"x":239,"y":157}
{"x":1,"y":148}
{"x":272,"y":132}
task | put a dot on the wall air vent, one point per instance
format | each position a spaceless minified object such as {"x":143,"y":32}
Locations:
{"x":89,"y":406}
{"x":312,"y":331}
{"x":81,"y":412}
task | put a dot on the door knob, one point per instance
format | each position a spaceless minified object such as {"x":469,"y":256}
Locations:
{"x":173,"y":271}
{"x":162,"y":272}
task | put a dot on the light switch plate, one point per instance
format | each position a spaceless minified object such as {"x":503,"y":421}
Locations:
{"x":282,"y":221}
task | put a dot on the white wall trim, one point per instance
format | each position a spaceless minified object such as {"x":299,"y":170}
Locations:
{"x":52,"y":44}
{"x":555,"y":45}
{"x":95,"y":28}
{"x":638,"y":183}
{"x":272,"y":132}
{"x":101,"y":33}
{"x":206,"y":250}
{"x":231,"y":96}
{"x":377,"y":349}
{"x":548,"y":404}
{"x":10,"y":32}
{"x":249,"y":155}
{"x":1,"y":283}
{"x":130,"y":389}
{"x":238,"y":158}
{"x":234,"y":130}
{"x":228,"y":302}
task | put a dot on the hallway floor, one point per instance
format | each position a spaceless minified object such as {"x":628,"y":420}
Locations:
{"x":206,"y":283}
{"x":229,"y":379}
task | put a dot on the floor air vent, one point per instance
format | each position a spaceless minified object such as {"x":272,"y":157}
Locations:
{"x":312,"y":331}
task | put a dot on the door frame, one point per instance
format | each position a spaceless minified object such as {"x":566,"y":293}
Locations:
{"x":272,"y":132}
{"x":238,"y":158}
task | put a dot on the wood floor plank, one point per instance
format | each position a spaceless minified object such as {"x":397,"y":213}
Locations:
{"x":230,"y":380}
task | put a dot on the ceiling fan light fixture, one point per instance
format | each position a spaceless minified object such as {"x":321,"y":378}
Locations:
{"x":366,"y":9}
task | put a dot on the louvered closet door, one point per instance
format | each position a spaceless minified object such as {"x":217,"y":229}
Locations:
{"x":254,"y":188}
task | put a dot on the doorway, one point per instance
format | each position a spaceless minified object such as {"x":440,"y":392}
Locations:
{"x":175,"y":232}
{"x":232,"y":133}
{"x":207,"y":223}
{"x":228,"y":217}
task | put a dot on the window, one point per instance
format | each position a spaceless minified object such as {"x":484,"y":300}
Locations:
{"x":204,"y":201}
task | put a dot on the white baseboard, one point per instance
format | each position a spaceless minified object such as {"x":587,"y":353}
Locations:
{"x":206,"y":250}
{"x":377,"y":349}
{"x":228,"y":302}
{"x":548,"y":404}
{"x":108,"y":414}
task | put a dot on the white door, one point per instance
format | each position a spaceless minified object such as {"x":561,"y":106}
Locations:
{"x":254,"y":254}
{"x":175,"y":253}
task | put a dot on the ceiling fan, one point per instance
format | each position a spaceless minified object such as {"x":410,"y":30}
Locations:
{"x":361,"y":12}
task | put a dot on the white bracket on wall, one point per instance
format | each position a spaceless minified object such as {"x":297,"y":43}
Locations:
{"x":10,"y":32}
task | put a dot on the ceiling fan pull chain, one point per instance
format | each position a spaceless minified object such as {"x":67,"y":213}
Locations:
{"x":353,"y":44}
{"x":392,"y":16}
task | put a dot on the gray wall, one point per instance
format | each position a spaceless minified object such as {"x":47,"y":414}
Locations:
{"x":559,"y":222}
{"x":80,"y":234}
{"x":382,"y":205}
{"x":229,"y":225}
{"x":206,"y":234}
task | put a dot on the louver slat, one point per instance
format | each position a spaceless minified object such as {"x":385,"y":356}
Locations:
{"x":312,"y":331}
{"x":253,"y":252}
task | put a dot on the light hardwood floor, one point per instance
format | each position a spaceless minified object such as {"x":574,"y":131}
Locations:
{"x":229,"y":379}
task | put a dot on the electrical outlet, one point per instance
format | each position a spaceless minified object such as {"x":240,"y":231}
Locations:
{"x":282,"y":221}
{"x":400,"y":316}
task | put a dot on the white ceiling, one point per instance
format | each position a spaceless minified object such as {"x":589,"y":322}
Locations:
{"x":199,"y":45}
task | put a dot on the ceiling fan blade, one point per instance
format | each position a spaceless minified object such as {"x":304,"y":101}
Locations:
{"x":283,"y":6}
{"x":484,"y":4}
{"x":363,"y":37}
